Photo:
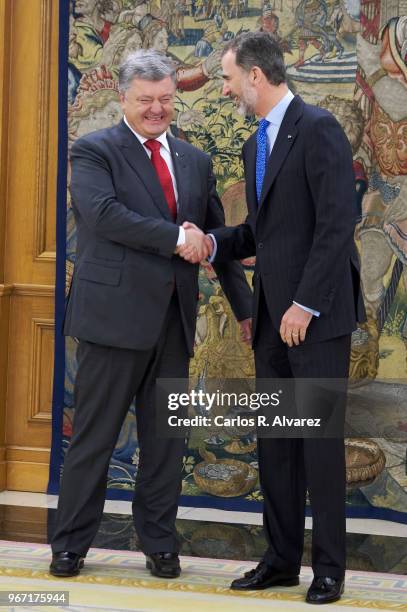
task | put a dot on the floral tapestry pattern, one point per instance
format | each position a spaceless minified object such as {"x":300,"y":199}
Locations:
{"x":349,"y":56}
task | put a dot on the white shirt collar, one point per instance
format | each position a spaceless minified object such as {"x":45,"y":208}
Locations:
{"x":276,"y":115}
{"x":162,"y":138}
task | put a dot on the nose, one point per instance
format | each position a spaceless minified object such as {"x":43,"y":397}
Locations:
{"x":156,"y":107}
{"x":225,"y":89}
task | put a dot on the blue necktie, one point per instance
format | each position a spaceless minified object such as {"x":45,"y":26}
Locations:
{"x":261,"y":155}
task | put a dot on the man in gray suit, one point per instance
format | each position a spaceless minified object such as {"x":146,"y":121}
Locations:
{"x":132,"y":305}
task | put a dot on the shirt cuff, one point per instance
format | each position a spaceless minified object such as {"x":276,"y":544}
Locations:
{"x":313,"y":312}
{"x":181,"y":237}
{"x":211,"y":258}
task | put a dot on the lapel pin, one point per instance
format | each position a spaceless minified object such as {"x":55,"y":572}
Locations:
{"x":289,"y":136}
{"x":176,"y":153}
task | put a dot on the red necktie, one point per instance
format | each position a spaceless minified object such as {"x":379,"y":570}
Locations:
{"x":164,"y":175}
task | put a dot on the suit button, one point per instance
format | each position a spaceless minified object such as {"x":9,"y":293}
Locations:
{"x":260,"y":245}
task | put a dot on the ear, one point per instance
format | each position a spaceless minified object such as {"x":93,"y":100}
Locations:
{"x":255,"y":75}
{"x":122,"y":99}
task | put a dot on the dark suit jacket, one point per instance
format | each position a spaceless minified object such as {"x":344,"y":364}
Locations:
{"x":302,"y":230}
{"x":125,"y":270}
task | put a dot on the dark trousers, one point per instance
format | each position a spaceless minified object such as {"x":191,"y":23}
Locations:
{"x":107,"y":380}
{"x":290,"y":466}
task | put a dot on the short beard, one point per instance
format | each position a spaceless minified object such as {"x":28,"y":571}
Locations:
{"x":248,"y":101}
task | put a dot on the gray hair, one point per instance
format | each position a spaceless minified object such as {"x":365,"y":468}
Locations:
{"x":149,"y":65}
{"x":258,"y":49}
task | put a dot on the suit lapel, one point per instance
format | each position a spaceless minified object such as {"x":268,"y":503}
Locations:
{"x":182,"y":175}
{"x":284,"y":141}
{"x":138,"y":159}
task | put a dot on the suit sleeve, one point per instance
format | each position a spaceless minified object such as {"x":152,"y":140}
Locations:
{"x":230,"y":274}
{"x":94,"y":198}
{"x":235,"y":242}
{"x":331,"y":181}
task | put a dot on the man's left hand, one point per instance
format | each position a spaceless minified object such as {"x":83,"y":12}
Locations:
{"x":294,"y":325}
{"x":246,"y":330}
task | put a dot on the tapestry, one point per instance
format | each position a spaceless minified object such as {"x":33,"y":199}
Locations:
{"x":348,"y":56}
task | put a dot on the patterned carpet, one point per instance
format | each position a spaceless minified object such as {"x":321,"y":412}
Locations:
{"x":116,"y":581}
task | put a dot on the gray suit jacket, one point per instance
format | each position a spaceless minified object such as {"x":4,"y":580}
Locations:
{"x":125,"y":269}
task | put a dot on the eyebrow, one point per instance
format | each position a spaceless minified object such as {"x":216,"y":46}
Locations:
{"x":147,"y":97}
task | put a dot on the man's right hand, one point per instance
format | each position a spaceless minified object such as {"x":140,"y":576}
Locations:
{"x":197,"y":246}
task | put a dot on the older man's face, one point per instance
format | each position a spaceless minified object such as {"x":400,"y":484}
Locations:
{"x":149,"y":106}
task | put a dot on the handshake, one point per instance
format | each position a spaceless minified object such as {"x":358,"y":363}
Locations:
{"x":197,"y":246}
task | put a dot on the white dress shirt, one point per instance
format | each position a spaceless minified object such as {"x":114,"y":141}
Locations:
{"x":275,"y":117}
{"x":165,"y":153}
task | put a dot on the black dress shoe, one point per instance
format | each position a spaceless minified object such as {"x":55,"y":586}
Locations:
{"x":262,"y":577}
{"x":66,"y":564}
{"x":163,"y":564}
{"x":325,"y":589}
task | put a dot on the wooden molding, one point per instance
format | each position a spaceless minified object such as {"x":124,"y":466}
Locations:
{"x":3,"y":468}
{"x":32,"y":150}
{"x":50,"y":256}
{"x":26,"y":289}
{"x":31,"y":477}
{"x":30,"y":365}
{"x":5,"y":290}
{"x":41,"y":371}
{"x":27,"y":469}
{"x":3,"y":475}
{"x":34,"y":290}
{"x":5,"y":10}
{"x":28,"y":454}
{"x":42,"y":154}
{"x":5,"y":293}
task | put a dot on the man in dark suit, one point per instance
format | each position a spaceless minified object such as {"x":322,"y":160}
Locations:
{"x":301,"y":203}
{"x":132,"y":305}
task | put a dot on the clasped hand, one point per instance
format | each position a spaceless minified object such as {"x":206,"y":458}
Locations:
{"x":197,"y":245}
